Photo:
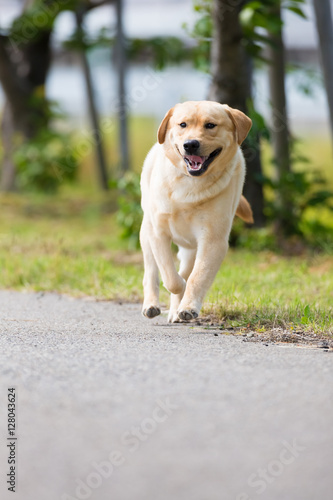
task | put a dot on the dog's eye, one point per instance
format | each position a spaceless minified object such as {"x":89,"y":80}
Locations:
{"x":210,"y":125}
{"x":182,"y":125}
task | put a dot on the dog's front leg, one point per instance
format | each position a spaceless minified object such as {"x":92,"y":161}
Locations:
{"x":161,"y":247}
{"x":208,"y":261}
{"x":187,"y":259}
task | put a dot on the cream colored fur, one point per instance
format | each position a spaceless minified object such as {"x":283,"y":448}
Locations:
{"x":194,"y":212}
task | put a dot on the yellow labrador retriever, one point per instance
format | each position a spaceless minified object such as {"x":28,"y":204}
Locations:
{"x":191,"y":185}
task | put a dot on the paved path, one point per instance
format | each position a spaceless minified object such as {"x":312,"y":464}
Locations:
{"x":113,"y":406}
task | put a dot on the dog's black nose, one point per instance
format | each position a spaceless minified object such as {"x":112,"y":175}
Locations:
{"x":192,"y":146}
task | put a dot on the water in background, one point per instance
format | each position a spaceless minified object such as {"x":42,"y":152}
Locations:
{"x":152,"y":92}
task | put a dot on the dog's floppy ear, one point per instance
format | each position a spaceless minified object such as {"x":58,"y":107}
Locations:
{"x":163,"y":127}
{"x":242,"y":122}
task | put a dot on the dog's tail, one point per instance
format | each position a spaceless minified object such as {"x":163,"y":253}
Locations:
{"x":244,"y":210}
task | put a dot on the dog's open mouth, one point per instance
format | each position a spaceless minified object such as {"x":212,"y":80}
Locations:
{"x":197,"y":165}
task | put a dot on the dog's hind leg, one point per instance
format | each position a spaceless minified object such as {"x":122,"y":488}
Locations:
{"x":187,"y":259}
{"x":150,"y":307}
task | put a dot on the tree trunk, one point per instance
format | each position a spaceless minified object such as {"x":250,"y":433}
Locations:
{"x":121,"y":68}
{"x":323,"y":14}
{"x":279,"y":127}
{"x":8,"y":168}
{"x":94,"y":117}
{"x":231,"y":70}
{"x":280,"y":137}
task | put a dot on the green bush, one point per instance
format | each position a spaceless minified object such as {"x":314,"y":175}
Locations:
{"x":301,"y":191}
{"x":45,"y":162}
{"x":129,"y":215}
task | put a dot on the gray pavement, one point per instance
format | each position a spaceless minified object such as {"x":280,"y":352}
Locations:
{"x":111,"y":406}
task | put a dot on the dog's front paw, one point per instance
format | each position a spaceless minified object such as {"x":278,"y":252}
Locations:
{"x":151,"y":312}
{"x":187,"y":314}
{"x":173,"y":317}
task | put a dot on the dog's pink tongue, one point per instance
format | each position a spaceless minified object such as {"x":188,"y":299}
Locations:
{"x":196,"y":161}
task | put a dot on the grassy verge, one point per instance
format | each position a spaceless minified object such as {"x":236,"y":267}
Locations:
{"x":73,"y":247}
{"x":263,"y":290}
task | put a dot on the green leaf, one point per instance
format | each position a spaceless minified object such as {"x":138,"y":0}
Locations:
{"x":297,"y":11}
{"x":307,"y":310}
{"x":246,"y":16}
{"x":319,"y":198}
{"x":306,"y":317}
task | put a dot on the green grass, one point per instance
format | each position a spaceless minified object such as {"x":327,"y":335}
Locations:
{"x":67,"y":246}
{"x":72,"y":246}
{"x":263,"y":290}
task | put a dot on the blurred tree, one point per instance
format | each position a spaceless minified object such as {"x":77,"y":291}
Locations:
{"x":25,"y":56}
{"x":23,"y":71}
{"x":323,"y":13}
{"x":94,"y":117}
{"x":295,"y":189}
{"x":280,"y":136}
{"x":121,"y":63}
{"x":231,"y":69}
{"x":276,"y":72}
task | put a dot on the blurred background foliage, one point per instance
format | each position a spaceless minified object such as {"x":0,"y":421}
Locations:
{"x":43,"y":152}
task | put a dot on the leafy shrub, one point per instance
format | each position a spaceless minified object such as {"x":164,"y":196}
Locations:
{"x":255,"y":239}
{"x":304,"y":190}
{"x":46,"y":161}
{"x":129,"y":215}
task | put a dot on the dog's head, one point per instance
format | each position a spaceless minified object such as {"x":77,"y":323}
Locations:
{"x":196,"y":133}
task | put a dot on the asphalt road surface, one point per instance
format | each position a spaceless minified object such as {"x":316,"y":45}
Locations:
{"x":112,"y":406}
